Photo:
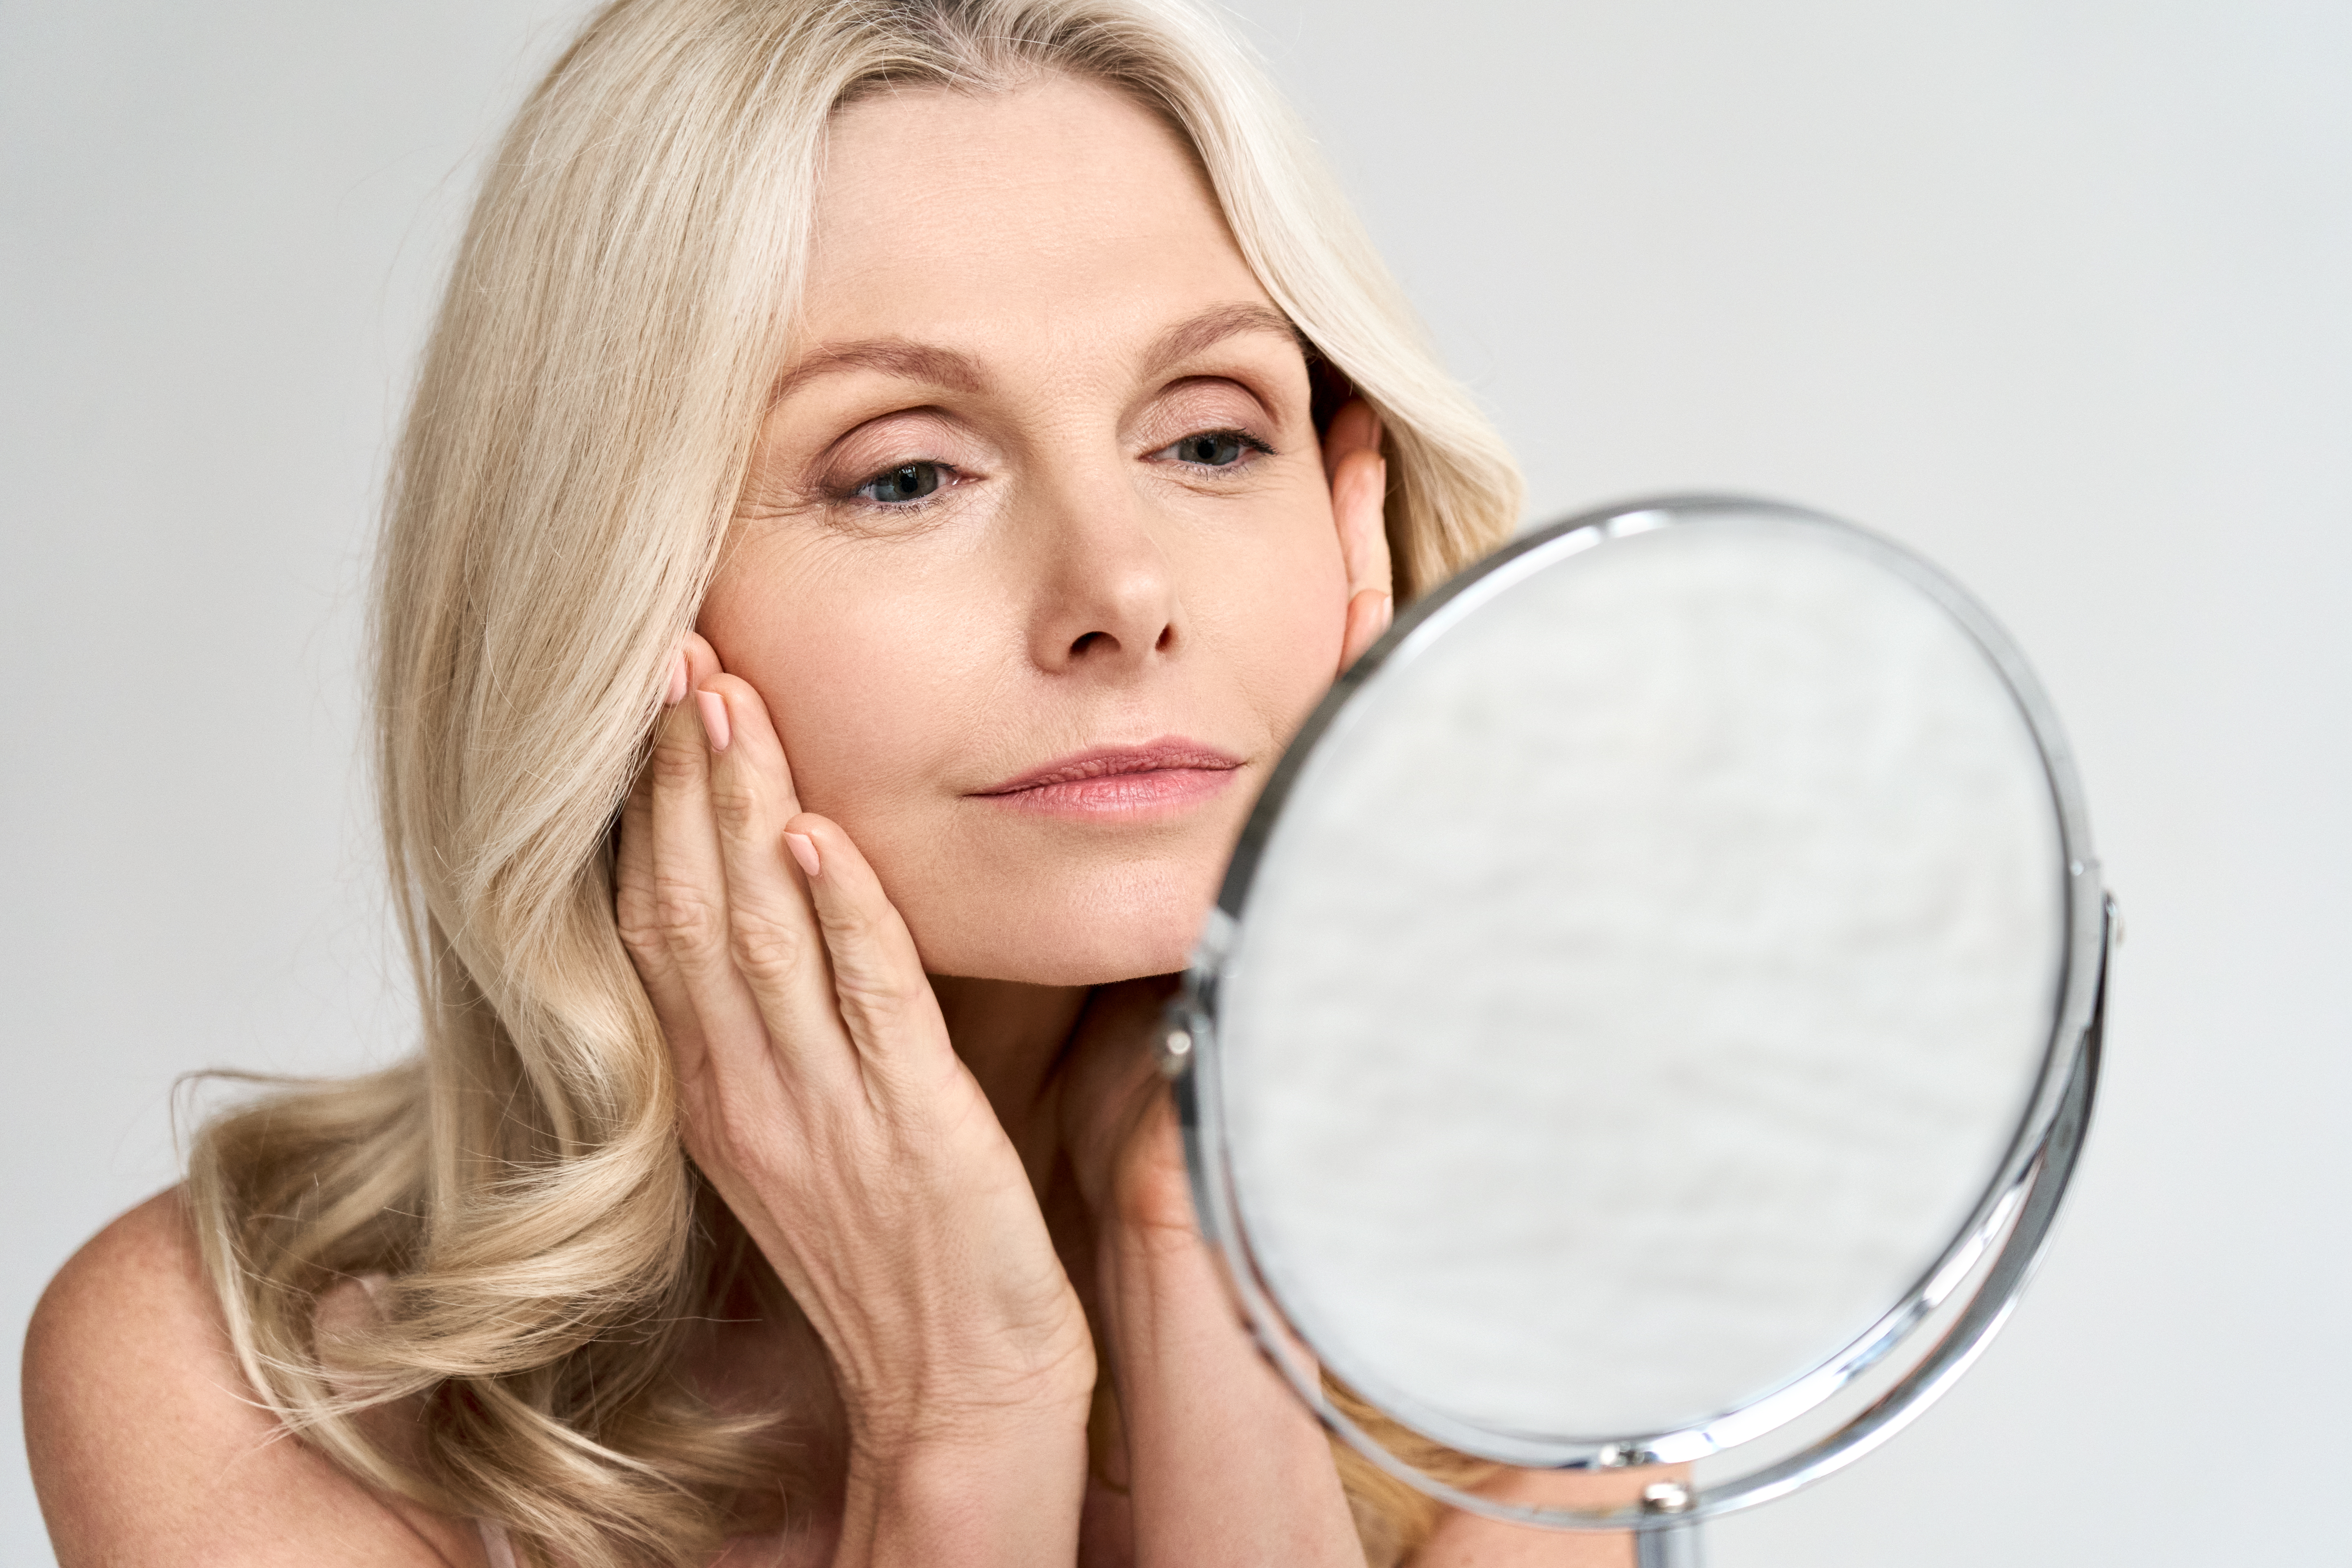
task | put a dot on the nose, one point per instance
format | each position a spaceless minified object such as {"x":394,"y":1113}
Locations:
{"x":1106,"y":595}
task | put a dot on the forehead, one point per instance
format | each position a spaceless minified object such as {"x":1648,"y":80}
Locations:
{"x":1057,"y":208}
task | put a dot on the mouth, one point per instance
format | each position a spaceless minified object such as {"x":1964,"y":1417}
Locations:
{"x":1156,"y":779}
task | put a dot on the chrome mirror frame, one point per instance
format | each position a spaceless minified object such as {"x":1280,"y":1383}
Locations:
{"x":1966,"y":1294}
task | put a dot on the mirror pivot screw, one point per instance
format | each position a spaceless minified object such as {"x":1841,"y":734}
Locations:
{"x":1175,"y":1052}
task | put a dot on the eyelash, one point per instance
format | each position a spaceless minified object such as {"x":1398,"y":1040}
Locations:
{"x":1247,"y":442}
{"x":949,"y":475}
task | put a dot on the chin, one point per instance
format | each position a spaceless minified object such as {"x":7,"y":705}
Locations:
{"x":1075,"y":932}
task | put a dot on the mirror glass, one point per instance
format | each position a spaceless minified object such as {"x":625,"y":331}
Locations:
{"x":1637,"y":982}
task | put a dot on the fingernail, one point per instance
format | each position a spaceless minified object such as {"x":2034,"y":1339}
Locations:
{"x":714,"y":719}
{"x":804,"y":851}
{"x":677,"y":680}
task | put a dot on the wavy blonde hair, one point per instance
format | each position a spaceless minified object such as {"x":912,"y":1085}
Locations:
{"x":580,"y":427}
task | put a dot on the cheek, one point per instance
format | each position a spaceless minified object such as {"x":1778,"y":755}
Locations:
{"x":856,"y":678}
{"x":1277,"y":612}
{"x":886,"y":684}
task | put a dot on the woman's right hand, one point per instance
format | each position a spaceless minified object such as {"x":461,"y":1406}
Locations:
{"x":822,"y":1099}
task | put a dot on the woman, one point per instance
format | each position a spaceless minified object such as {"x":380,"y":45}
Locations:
{"x":885,"y":483}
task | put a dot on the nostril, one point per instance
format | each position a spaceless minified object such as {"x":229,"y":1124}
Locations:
{"x":1167,"y":639}
{"x":1080,"y":647}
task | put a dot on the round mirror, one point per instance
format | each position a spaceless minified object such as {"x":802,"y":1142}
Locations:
{"x":1650,"y":1014}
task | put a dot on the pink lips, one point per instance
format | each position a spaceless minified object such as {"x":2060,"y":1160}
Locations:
{"x":1163,"y":777}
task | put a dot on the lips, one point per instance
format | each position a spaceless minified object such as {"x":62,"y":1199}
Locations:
{"x":1154,"y":779}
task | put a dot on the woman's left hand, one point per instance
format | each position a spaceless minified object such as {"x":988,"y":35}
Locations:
{"x":1225,"y":1464}
{"x":1119,"y":1121}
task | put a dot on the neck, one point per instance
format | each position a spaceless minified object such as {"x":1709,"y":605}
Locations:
{"x":1013,"y":1036}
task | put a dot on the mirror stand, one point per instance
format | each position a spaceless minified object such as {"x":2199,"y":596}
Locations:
{"x":1670,"y":1541}
{"x":1670,"y":1546}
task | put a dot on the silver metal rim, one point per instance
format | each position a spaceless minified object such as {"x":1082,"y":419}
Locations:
{"x":1978,"y":1276}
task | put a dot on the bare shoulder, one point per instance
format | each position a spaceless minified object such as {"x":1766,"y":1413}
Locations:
{"x":148,"y":1446}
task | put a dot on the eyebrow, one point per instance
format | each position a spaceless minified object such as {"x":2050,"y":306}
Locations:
{"x":1214,"y":326}
{"x":943,"y":367}
{"x":892,"y":356}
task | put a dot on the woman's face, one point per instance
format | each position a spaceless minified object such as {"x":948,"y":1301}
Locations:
{"x":1036,"y":570}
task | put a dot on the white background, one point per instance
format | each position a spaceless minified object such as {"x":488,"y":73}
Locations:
{"x":2060,"y":292}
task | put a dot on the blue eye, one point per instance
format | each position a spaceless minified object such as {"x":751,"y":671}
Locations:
{"x":907,"y":482}
{"x":1213,"y":448}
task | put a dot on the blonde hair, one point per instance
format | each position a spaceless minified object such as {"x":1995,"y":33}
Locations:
{"x":580,"y":429}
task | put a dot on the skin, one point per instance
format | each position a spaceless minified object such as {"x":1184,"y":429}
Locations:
{"x":1042,"y":480}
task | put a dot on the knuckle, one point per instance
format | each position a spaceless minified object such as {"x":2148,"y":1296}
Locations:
{"x":674,"y":767}
{"x":883,"y":997}
{"x":851,"y":931}
{"x":736,"y":808}
{"x":685,"y":917}
{"x":767,"y":951}
{"x":640,"y":924}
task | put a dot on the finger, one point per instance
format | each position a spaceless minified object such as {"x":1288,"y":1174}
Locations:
{"x":1355,"y":428}
{"x":1151,"y":1193}
{"x":773,"y":929}
{"x":879,"y":986}
{"x":636,"y":912}
{"x":690,"y":896}
{"x":1111,"y":1076}
{"x":637,"y":906}
{"x":701,"y":663}
{"x":693,"y":658}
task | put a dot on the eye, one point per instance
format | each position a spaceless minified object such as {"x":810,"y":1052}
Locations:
{"x":907,"y":482}
{"x":1214,"y":448}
